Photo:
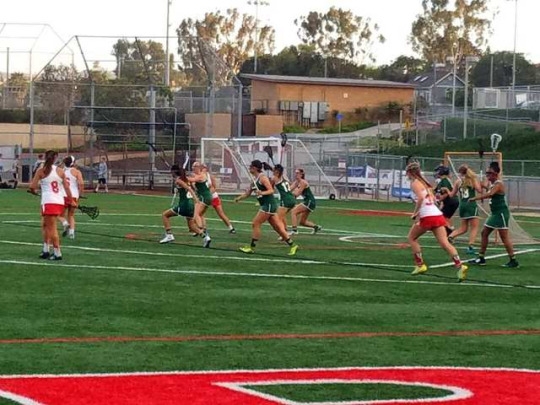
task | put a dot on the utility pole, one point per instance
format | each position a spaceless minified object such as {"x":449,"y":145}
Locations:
{"x":257,"y":3}
{"x":468,"y":59}
{"x":167,"y":78}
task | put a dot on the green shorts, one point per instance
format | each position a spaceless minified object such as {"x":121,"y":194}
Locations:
{"x":287,"y":203}
{"x":205,"y":198}
{"x":499,"y":220}
{"x":269,"y":207}
{"x":310,"y":204}
{"x":468,"y":210}
{"x":184,"y":210}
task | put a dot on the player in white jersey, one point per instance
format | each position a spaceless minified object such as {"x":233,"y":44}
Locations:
{"x":216,"y":200}
{"x":52,"y":181}
{"x":430,"y":218}
{"x":76,"y":185}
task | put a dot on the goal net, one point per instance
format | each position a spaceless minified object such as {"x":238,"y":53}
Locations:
{"x":229,"y":159}
{"x":479,"y":162}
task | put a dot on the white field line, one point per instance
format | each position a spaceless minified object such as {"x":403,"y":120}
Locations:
{"x":518,"y":252}
{"x":57,"y":265}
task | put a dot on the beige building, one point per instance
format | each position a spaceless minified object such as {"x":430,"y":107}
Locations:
{"x":310,"y":101}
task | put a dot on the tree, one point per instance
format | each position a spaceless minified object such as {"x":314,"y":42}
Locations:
{"x":303,"y":60}
{"x":401,"y":70}
{"x":339,"y":33}
{"x":502,"y":70}
{"x":139,"y":62}
{"x":214,"y":48}
{"x":443,"y":31}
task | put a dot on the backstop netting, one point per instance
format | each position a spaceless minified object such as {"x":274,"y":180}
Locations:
{"x":479,"y":163}
{"x":229,"y":160}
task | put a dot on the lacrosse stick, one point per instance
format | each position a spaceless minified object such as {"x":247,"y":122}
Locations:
{"x":283,"y":144}
{"x":92,"y":212}
{"x":160,"y":154}
{"x":481,"y":155}
{"x":270,"y":153}
{"x":495,"y":140}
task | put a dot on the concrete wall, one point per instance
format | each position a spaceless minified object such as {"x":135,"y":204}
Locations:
{"x":268,"y":124}
{"x":202,"y":125}
{"x":45,"y":136}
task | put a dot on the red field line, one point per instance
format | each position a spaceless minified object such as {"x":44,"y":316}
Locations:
{"x":197,"y":338}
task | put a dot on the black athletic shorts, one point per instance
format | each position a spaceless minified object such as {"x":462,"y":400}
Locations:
{"x":450,"y":206}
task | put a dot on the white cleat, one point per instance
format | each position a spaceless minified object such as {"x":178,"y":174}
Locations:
{"x":206,"y":241}
{"x":168,"y":238}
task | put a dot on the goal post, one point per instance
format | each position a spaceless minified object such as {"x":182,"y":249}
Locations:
{"x":477,"y":161}
{"x":229,"y":159}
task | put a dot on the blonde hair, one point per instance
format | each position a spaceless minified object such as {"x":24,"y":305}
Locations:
{"x":414,"y":170}
{"x":469,"y":176}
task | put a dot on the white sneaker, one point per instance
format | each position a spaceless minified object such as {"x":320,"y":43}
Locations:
{"x":168,"y":238}
{"x":206,"y":241}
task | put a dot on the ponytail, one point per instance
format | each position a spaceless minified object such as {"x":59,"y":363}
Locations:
{"x":50,"y":158}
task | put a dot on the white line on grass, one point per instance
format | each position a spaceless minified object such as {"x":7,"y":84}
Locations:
{"x":57,"y":265}
{"x":519,"y":252}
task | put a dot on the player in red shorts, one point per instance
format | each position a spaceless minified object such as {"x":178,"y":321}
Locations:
{"x":430,"y":218}
{"x":52,"y":181}
{"x":216,"y":200}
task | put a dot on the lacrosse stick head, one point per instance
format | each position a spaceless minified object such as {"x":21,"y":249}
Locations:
{"x":495,"y":140}
{"x":283,"y":136}
{"x":269,"y":152}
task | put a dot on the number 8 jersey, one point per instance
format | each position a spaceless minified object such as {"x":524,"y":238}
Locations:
{"x":52,"y":189}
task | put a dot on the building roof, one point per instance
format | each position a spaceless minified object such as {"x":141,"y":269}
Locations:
{"x":427,"y":79}
{"x":326,"y":81}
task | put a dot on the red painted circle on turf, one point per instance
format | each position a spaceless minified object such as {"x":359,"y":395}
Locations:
{"x":488,"y":386}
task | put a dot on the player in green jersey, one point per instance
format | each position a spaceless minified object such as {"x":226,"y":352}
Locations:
{"x":264,"y":190}
{"x":300,"y":187}
{"x":287,"y":201}
{"x":466,"y":187}
{"x":199,"y":180}
{"x":499,"y":218}
{"x":184,"y":206}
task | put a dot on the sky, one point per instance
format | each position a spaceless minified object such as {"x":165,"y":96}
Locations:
{"x":144,"y":18}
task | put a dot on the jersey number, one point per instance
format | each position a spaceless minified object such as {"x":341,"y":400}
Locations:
{"x":54,"y":187}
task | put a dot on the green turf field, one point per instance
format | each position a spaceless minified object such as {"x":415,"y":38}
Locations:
{"x":121,"y":302}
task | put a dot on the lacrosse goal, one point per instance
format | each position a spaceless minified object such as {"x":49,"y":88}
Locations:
{"x":229,"y":160}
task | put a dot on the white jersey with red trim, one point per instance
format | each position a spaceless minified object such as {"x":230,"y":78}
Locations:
{"x":428,"y":207}
{"x":52,"y":188}
{"x":73,"y":182}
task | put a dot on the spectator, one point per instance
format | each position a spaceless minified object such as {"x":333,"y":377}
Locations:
{"x":39,"y":163}
{"x":102,"y":175}
{"x":15,"y":167}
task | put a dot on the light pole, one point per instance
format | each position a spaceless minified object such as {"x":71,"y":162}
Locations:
{"x":167,"y":62}
{"x":468,"y":59}
{"x":256,"y":3}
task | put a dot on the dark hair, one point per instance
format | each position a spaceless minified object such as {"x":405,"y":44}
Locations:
{"x":442,"y":170}
{"x":302,"y":172}
{"x":257,"y":164}
{"x":179,"y":172}
{"x":68,"y":161}
{"x":50,"y":157}
{"x":266,"y":166}
{"x":279,"y":169}
{"x":495,"y":167}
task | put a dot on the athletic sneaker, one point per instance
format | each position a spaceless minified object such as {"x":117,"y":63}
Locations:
{"x":513,"y":263}
{"x":54,"y":257}
{"x":247,"y":249}
{"x":71,"y":236}
{"x":480,"y":261}
{"x":451,"y":240}
{"x":471,"y":250}
{"x":233,"y":231}
{"x":462,"y":273}
{"x":206,"y":241}
{"x":65,"y":231}
{"x":316,"y":229}
{"x":169,"y":237}
{"x":419,"y":269}
{"x":293,"y":232}
{"x":293,"y":250}
{"x":44,"y":255}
